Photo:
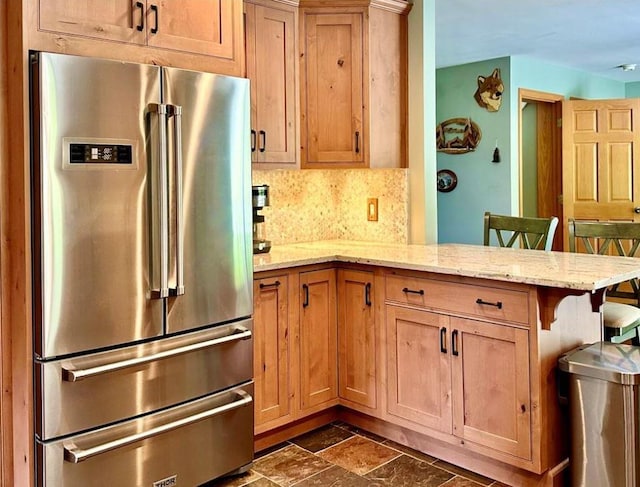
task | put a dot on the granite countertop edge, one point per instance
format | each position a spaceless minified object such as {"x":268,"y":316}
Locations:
{"x":548,"y":269}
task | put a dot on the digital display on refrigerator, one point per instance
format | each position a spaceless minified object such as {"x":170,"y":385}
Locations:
{"x":100,"y":153}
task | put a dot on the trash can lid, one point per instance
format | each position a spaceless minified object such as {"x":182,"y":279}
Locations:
{"x":608,"y":361}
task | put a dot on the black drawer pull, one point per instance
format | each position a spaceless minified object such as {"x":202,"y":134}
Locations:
{"x":272,"y":284}
{"x":488,"y":303}
{"x":413,"y":291}
{"x":454,"y":343}
{"x":140,"y":26}
{"x":443,"y":340}
{"x":305,"y":300}
{"x":367,"y":294}
{"x":253,"y":140}
{"x":154,"y":9}
{"x":263,"y":139}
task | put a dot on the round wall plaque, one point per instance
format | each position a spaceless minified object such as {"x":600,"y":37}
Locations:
{"x":447,"y":180}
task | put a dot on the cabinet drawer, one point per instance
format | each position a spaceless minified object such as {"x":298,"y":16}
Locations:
{"x":483,"y":301}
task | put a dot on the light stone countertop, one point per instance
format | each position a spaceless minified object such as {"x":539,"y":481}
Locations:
{"x":551,"y":269}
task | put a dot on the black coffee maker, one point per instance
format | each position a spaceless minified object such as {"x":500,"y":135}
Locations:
{"x":260,"y":199}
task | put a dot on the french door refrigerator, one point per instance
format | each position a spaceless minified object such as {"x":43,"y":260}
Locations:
{"x":142,"y":273}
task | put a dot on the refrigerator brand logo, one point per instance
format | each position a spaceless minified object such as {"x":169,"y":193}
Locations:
{"x":168,"y":482}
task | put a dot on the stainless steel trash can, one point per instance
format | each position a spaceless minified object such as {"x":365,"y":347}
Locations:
{"x":603,"y":381}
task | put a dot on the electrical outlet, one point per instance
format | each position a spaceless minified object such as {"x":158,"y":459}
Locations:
{"x":372,"y":209}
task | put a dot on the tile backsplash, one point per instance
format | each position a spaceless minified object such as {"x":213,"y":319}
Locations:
{"x":319,"y":204}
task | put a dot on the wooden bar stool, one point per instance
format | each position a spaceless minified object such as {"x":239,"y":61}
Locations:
{"x":529,"y":232}
{"x":621,"y":317}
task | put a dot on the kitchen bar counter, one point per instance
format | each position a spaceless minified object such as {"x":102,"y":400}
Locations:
{"x":549,"y":269}
{"x":414,"y":358}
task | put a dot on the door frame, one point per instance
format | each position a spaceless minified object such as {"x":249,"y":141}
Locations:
{"x":549,"y":144}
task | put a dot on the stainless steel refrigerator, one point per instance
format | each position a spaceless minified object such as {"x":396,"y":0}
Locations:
{"x":142,"y":273}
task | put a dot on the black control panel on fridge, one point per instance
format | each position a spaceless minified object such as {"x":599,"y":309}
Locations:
{"x":100,"y":153}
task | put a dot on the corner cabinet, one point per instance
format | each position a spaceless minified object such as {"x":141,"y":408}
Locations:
{"x":353,"y":83}
{"x":295,"y":345}
{"x":209,"y":28}
{"x":272,"y":58}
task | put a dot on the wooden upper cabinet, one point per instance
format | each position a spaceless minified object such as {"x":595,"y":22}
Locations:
{"x":209,"y":28}
{"x":353,"y":83}
{"x":121,"y":20}
{"x":196,"y":26}
{"x":271,"y":54}
{"x":335,"y":95}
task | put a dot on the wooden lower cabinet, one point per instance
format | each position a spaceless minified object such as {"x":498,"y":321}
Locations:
{"x":464,"y":377}
{"x":418,"y":368}
{"x":318,"y":339}
{"x":356,"y":338}
{"x":272,"y":361}
{"x":432,"y":362}
{"x":491,"y":386}
{"x":295,"y":345}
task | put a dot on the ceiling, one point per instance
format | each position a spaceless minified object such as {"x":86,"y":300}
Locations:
{"x":589,"y":35}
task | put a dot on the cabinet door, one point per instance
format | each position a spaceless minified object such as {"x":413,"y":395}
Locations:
{"x":418,"y":367}
{"x":356,"y":338}
{"x":271,"y":61}
{"x":491,"y":381}
{"x":195,"y":26}
{"x":120,"y":20}
{"x":271,"y":349}
{"x":335,"y":101}
{"x":318,"y":338}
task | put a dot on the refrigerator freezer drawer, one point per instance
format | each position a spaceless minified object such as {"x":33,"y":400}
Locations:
{"x":86,"y":392}
{"x":184,"y":445}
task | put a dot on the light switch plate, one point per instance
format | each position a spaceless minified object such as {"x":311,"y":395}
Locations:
{"x":372,"y":209}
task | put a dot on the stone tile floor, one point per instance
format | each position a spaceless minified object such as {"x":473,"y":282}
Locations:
{"x":340,"y":455}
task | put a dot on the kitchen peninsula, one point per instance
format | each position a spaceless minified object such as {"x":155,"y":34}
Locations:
{"x":449,"y":349}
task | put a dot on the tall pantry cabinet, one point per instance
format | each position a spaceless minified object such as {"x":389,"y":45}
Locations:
{"x":353,"y":68}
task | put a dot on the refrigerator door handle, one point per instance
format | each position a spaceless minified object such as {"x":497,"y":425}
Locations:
{"x":75,"y":375}
{"x":163,"y":201}
{"x":74,"y":454}
{"x":175,"y":111}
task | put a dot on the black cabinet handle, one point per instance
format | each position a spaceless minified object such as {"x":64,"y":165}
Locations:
{"x":357,"y":142}
{"x":488,"y":303}
{"x":272,"y":284}
{"x":367,"y":294}
{"x":305,"y":299}
{"x":263,"y":138}
{"x":140,"y":6}
{"x":443,"y":340}
{"x":454,"y":343}
{"x":154,"y":9}
{"x":253,"y":140}
{"x":412,"y":291}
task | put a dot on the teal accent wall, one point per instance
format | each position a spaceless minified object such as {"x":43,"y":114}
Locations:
{"x":632,"y":90}
{"x":539,"y":75}
{"x":483,"y":185}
